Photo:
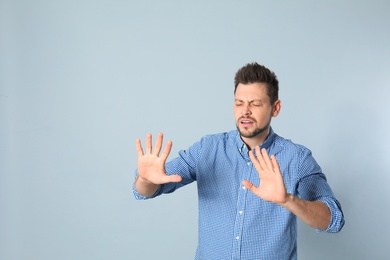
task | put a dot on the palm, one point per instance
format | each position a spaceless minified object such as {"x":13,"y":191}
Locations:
{"x":151,"y":166}
{"x":271,"y":186}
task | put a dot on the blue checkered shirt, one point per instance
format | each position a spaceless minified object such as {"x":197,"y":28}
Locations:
{"x":233,"y":222}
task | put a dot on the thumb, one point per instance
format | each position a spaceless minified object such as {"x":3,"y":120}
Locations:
{"x":249,"y":185}
{"x":171,"y":178}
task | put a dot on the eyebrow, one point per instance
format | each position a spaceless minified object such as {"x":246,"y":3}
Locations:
{"x":250,"y":101}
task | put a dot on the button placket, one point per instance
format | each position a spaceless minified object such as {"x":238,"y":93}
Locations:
{"x":238,"y":228}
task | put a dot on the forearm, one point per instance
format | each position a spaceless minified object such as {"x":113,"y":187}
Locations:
{"x":145,"y":187}
{"x":314,"y":213}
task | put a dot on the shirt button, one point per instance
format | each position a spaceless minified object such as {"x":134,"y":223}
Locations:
{"x":237,"y":237}
{"x":248,"y":163}
{"x":240,"y":212}
{"x":243,"y":187}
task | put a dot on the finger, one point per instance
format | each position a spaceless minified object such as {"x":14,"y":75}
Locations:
{"x":266,"y":159}
{"x":157,"y":146}
{"x":167,"y":150}
{"x":138,"y":146}
{"x":148,"y":145}
{"x":254,"y":160}
{"x":260,"y":158}
{"x":275,"y":163}
{"x":252,"y":156}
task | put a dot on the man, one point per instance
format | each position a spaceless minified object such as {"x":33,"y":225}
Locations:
{"x":248,"y":200}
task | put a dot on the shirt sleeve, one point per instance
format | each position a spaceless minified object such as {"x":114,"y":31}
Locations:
{"x":313,"y":186}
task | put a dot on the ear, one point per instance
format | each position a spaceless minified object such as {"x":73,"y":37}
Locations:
{"x":276,"y":108}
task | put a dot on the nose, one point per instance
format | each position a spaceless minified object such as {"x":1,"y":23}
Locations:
{"x":246,"y":111}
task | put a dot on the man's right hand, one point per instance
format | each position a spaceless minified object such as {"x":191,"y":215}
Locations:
{"x":151,"y":166}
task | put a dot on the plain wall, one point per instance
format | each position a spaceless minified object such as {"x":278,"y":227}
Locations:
{"x":81,"y":80}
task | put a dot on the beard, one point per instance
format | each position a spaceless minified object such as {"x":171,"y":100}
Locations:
{"x":253,"y":133}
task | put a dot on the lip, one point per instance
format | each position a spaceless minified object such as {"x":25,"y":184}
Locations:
{"x":246,"y":121}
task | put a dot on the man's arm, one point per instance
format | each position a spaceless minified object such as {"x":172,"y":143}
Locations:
{"x":314,"y":213}
{"x":272,"y":188}
{"x":151,"y":166}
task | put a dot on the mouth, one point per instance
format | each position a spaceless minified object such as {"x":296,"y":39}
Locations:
{"x":246,"y":122}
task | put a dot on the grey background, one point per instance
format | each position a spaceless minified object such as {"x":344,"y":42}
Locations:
{"x":81,"y":80}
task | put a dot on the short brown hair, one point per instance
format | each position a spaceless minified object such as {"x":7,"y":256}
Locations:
{"x":256,"y":73}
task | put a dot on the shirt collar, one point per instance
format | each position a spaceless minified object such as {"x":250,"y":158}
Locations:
{"x":270,"y":139}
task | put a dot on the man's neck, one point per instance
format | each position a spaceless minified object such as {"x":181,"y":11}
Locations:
{"x":257,"y":140}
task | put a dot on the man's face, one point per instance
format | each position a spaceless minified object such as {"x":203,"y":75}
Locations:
{"x":253,"y":110}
